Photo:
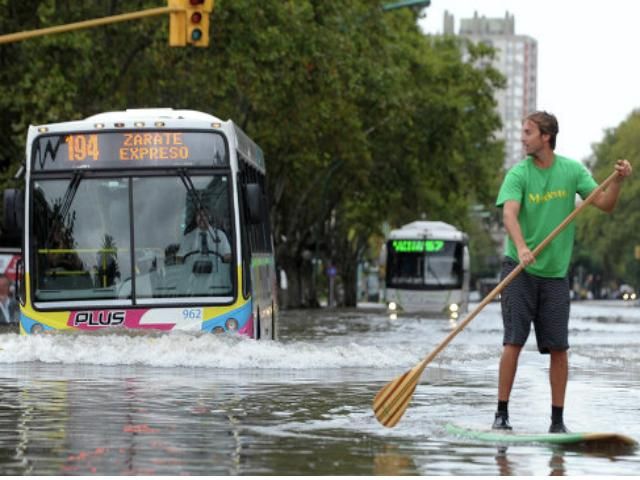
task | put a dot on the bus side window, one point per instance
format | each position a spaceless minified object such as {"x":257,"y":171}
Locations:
{"x":244,"y":242}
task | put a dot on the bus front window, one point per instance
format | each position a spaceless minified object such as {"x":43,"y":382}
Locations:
{"x":439,"y":269}
{"x":183,"y":238}
{"x":81,"y":239}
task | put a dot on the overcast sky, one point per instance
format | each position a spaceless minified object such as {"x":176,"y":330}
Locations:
{"x":588,"y":59}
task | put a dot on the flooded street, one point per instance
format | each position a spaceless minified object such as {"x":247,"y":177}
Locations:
{"x":208,"y":405}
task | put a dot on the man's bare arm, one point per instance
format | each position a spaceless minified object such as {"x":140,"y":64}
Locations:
{"x":510,"y":211}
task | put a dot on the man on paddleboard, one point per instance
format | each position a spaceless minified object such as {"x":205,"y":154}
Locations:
{"x":536,"y":195}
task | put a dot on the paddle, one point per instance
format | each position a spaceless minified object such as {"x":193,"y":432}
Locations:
{"x":392,"y":400}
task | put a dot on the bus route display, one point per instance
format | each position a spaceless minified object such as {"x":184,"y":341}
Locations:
{"x":133,"y":149}
{"x":412,"y":246}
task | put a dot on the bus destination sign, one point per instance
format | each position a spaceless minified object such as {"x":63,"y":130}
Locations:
{"x":129,"y":150}
{"x":417,"y":246}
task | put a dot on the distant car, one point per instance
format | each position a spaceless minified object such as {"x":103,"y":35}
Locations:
{"x":626,"y":292}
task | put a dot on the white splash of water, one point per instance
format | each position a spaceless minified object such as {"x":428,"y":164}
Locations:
{"x":196,"y":350}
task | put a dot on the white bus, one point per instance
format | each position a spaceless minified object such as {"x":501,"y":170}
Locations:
{"x":144,"y":219}
{"x":427,"y":269}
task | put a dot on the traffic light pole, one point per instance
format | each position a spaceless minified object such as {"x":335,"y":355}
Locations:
{"x":17,"y":37}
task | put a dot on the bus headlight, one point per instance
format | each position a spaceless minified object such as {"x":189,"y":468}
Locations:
{"x":231,"y":324}
{"x":393,"y":316}
{"x":37,"y":328}
{"x":393,"y":306}
{"x":453,"y":308}
{"x":217,"y":330}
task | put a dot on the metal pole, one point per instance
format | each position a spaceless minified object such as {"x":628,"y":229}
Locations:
{"x":16,"y":37}
{"x":331,"y":291}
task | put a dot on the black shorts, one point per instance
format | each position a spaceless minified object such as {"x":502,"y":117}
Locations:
{"x":545,"y":302}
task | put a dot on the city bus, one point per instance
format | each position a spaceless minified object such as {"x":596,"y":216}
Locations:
{"x":144,"y":219}
{"x":426,"y":269}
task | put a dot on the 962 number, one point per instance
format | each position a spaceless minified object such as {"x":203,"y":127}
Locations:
{"x":192,"y":314}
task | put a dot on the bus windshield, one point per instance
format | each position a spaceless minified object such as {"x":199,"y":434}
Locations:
{"x":436,"y":264}
{"x":132,"y":240}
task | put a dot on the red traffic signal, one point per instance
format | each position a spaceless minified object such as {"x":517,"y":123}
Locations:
{"x":189,"y":23}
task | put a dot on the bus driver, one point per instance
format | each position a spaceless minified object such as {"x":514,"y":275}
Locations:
{"x":204,"y":240}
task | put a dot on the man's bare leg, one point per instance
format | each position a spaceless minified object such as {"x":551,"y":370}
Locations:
{"x":558,"y":376}
{"x":507,"y":370}
{"x":506,"y":377}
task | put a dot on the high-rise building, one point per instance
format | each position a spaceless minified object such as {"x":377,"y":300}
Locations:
{"x":517,"y":59}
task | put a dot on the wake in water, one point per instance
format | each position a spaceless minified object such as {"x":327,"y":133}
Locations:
{"x":195,"y":350}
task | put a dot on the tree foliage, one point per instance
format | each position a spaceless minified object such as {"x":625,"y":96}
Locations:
{"x":363,"y":119}
{"x":607,"y":242}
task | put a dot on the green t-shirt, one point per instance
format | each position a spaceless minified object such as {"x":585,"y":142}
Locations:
{"x":546,"y":197}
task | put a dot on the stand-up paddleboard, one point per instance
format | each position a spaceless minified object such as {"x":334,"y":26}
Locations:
{"x":602,"y":439}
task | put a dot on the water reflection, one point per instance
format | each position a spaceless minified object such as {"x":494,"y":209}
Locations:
{"x":121,"y":427}
{"x":556,"y":464}
{"x":507,"y":467}
{"x":392,"y":462}
{"x":557,"y":461}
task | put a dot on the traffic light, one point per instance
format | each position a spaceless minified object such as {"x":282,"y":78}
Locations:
{"x":198,"y":22}
{"x":189,"y":23}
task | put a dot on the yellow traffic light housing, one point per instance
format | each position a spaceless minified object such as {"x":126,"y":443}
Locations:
{"x":178,"y":23}
{"x":198,"y":22}
{"x":189,"y":23}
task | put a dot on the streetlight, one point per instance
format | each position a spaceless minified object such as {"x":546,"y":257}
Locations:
{"x":417,"y":4}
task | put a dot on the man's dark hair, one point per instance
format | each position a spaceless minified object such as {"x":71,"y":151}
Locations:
{"x":547,"y":123}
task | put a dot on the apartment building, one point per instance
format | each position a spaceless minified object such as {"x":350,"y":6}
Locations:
{"x":516,"y":59}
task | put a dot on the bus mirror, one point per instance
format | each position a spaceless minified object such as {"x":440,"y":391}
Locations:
{"x":13,"y":210}
{"x":253,"y":197}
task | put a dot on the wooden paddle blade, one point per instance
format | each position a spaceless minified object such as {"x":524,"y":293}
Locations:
{"x":392,"y":400}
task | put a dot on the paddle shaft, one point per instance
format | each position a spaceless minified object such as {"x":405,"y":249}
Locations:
{"x":422,"y":365}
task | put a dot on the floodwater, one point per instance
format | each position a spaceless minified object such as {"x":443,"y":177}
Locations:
{"x":176,"y":404}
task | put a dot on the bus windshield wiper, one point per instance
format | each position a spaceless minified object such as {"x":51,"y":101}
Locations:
{"x":188,"y":184}
{"x":65,"y":205}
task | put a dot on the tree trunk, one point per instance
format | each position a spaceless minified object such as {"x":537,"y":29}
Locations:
{"x":301,"y":291}
{"x":349,"y":282}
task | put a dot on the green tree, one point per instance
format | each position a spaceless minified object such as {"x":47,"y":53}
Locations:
{"x":608,"y":242}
